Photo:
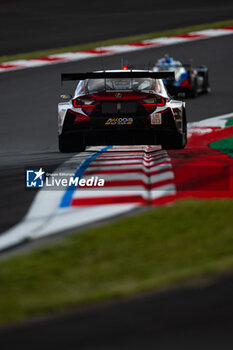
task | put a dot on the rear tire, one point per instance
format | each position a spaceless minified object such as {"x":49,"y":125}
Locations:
{"x":194,"y":91}
{"x":206,"y":87}
{"x":175,"y":142}
{"x":179,"y":140}
{"x":66,"y":144}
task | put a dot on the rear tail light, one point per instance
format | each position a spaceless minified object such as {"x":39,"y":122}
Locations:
{"x":87,"y":105}
{"x":151,"y":104}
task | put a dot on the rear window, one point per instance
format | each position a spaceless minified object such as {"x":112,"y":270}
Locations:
{"x":123,"y":84}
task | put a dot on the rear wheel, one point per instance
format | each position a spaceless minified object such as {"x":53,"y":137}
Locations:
{"x":206,"y":85}
{"x":179,"y":140}
{"x":194,"y":91}
{"x":175,"y":142}
{"x":67,"y":144}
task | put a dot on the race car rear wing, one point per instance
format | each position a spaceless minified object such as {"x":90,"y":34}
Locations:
{"x":123,"y":74}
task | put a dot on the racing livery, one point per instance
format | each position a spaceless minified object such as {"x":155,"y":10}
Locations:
{"x":124,"y":107}
{"x":188,"y":81}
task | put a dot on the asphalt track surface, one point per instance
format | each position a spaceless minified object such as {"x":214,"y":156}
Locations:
{"x":29,"y":112}
{"x":28,"y":25}
{"x":198,"y":317}
{"x":186,"y":319}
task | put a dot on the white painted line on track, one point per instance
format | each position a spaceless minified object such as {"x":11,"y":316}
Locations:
{"x":163,"y":191}
{"x":114,"y":49}
{"x":45,"y":216}
{"x":128,"y":191}
{"x":117,"y":191}
{"x":216,"y":121}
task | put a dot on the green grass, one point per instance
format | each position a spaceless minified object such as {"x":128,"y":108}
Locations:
{"x":159,"y":248}
{"x":224,"y":145}
{"x":123,"y":40}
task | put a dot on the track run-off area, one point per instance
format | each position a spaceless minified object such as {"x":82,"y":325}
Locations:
{"x":135,"y":177}
{"x":114,"y":49}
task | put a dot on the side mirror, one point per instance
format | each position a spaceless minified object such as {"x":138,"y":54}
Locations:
{"x":66,"y":97}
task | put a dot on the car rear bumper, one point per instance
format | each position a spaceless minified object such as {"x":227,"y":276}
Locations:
{"x":120,"y":136}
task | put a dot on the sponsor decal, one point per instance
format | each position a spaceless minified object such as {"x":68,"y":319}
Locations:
{"x":118,"y":95}
{"x":119,"y":121}
{"x":156,"y":118}
{"x":177,"y":114}
{"x":181,"y":94}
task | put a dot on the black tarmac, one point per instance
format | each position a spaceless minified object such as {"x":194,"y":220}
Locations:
{"x":29,"y":25}
{"x":29,"y":112}
{"x":195,"y":317}
{"x":198,"y":317}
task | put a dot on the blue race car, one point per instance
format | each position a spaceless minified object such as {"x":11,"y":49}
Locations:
{"x":188,"y":81}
